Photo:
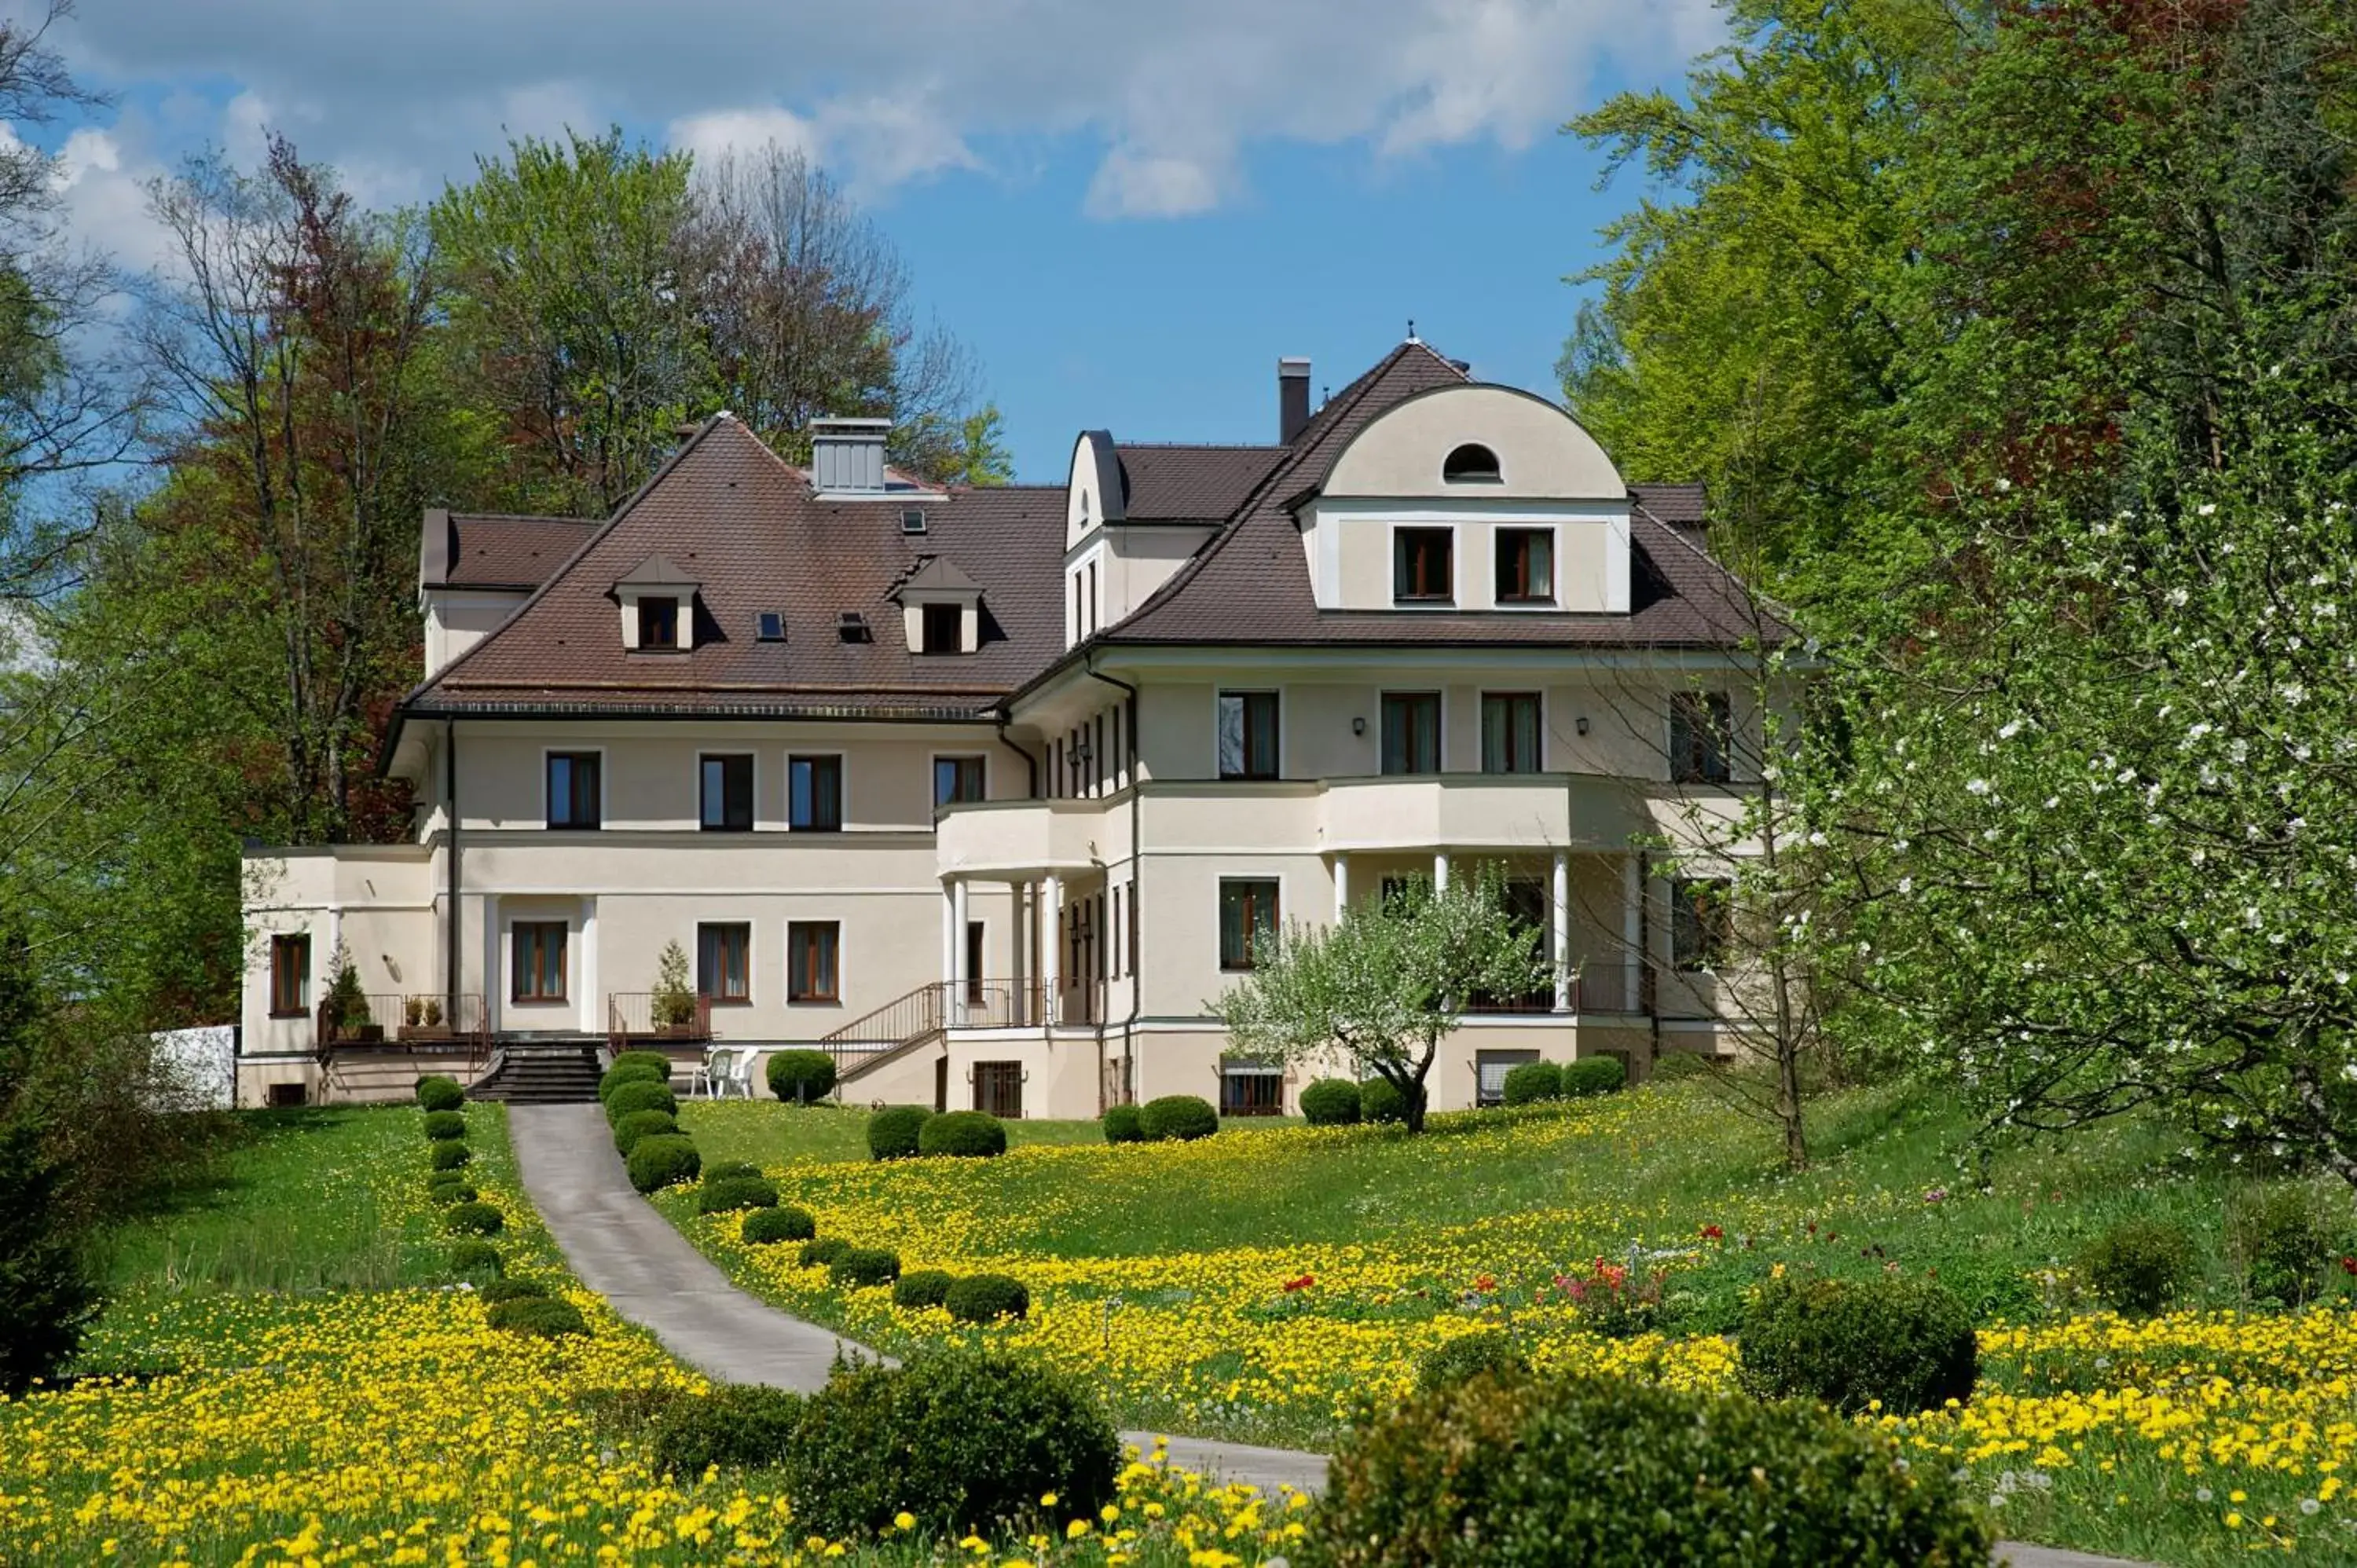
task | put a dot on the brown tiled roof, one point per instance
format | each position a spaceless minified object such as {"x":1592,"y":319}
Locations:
{"x":732,"y":516}
{"x":1191,"y":484}
{"x":493,"y":550}
{"x":1680,"y":506}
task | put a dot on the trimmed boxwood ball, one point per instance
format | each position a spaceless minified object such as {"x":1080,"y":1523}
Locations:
{"x":613,"y":1077}
{"x":473,"y":1219}
{"x":730,"y":1194}
{"x":662,"y":1160}
{"x":926,"y":1287}
{"x":1469,"y":1355}
{"x":441,"y":1126}
{"x":1906,"y":1342}
{"x":543,"y":1319}
{"x":801,"y":1078}
{"x":450,"y":1156}
{"x":865,"y":1266}
{"x":965,"y":1441}
{"x":511,"y":1290}
{"x":1380,"y":1100}
{"x":1593,"y":1075}
{"x":1185,"y":1117}
{"x":963,"y":1134}
{"x":892,"y":1133}
{"x":641,"y":1096}
{"x":986,"y":1298}
{"x":436,"y":1092}
{"x":640,"y":1125}
{"x":657,"y":1060}
{"x":785,"y":1223}
{"x":824,"y":1250}
{"x":1616,"y":1473}
{"x":476,"y":1258}
{"x":445,"y":1192}
{"x":744,"y":1426}
{"x":1121,"y":1125}
{"x":727,"y":1170}
{"x":1330,"y":1103}
{"x":1527,"y":1083}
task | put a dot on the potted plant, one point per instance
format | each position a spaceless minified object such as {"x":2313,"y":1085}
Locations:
{"x":348,"y":1007}
{"x":433,"y":1012}
{"x":421,"y":1018}
{"x":673,"y":1003}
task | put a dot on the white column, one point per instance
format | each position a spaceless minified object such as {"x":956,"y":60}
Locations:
{"x":949,"y":932}
{"x":1560,"y":925}
{"x":1439,"y":870}
{"x":1632,"y":928}
{"x":958,"y":975}
{"x":1341,"y":886}
{"x":593,"y":1005}
{"x":1051,"y":945}
{"x":495,"y":973}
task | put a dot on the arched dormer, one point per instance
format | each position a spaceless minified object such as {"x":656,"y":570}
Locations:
{"x":1473,"y":497}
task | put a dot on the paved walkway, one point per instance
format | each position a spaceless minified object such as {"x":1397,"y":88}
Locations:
{"x":619,"y":1247}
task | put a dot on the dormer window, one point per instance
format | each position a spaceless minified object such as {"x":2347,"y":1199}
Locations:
{"x":1420,"y":566}
{"x":1471,"y":464}
{"x":658,"y":602}
{"x":943,"y":628}
{"x":659,"y":623}
{"x":1525,"y":565}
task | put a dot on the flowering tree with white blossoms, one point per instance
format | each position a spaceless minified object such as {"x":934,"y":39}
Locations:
{"x":2101,"y":811}
{"x":1384,"y":985}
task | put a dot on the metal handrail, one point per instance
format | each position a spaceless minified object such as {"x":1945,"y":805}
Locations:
{"x":631,"y":1015}
{"x":904,"y":1018}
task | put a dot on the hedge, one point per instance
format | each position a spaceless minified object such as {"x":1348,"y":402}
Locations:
{"x":1593,"y":1075}
{"x":1381,"y":1100}
{"x":664,"y":1160}
{"x":450,"y":1156}
{"x":469,"y":1257}
{"x":510,"y":1290}
{"x":1330,"y":1103}
{"x":730,"y":1194}
{"x":640,"y":1125}
{"x":986,"y":1298}
{"x":743,"y":1426}
{"x":925,"y":1288}
{"x":448,"y":1190}
{"x":546,"y":1320}
{"x":1906,"y":1343}
{"x":1527,"y":1083}
{"x":965,"y":1135}
{"x":893,"y":1132}
{"x":824,"y":1250}
{"x":473,"y":1219}
{"x":864,"y":1266}
{"x":1185,"y":1117}
{"x":613,"y":1077}
{"x":436,"y":1092}
{"x":1121,"y":1125}
{"x":784,"y":1223}
{"x":645,"y":1095}
{"x":801,"y":1078}
{"x":727,"y":1170}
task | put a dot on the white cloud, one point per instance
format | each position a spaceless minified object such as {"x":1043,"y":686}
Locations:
{"x":896,"y":90}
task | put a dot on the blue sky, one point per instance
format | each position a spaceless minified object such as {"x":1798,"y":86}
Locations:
{"x":1129,"y":211}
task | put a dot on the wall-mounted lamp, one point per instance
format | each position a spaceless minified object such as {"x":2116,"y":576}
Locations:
{"x":1580,"y":724}
{"x":1359,"y":726}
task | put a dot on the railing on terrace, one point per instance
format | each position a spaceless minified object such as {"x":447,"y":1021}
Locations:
{"x":371,"y":1023}
{"x":422,"y":1025}
{"x":631,"y":1017}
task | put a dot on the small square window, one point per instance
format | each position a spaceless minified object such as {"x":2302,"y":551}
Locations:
{"x":772,"y":626}
{"x":913,"y":520}
{"x":1525,"y":565}
{"x":1420,"y":564}
{"x":957,"y":779}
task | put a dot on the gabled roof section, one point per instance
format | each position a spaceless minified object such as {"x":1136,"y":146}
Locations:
{"x":656,"y":571}
{"x":937,"y":574}
{"x":496,"y":549}
{"x":1191,"y":484}
{"x":727,"y":514}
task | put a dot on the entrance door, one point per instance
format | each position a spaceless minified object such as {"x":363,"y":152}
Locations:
{"x":998,"y":1088}
{"x":1490,"y":1071}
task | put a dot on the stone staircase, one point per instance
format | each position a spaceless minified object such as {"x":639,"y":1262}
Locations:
{"x":542,"y":1072}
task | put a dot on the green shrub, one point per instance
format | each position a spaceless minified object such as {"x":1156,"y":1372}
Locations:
{"x":963,"y":1134}
{"x":1674,"y":1067}
{"x":640,"y":1125}
{"x":1593,"y":1075}
{"x":543,"y":1319}
{"x":731,"y":1170}
{"x":646,"y":1095}
{"x":986,"y":1298}
{"x":664,"y":1160}
{"x":499,"y":1291}
{"x":926,"y":1287}
{"x":744,"y":1426}
{"x":1184,"y":1116}
{"x":1527,"y":1083}
{"x":1611,"y":1473}
{"x":446,"y":1191}
{"x":964,"y":1441}
{"x":659,"y":1061}
{"x":473,"y":1219}
{"x":613,"y":1077}
{"x":450,"y":1156}
{"x":2138,"y":1266}
{"x":1330,"y":1103}
{"x":1380,"y":1100}
{"x":730,"y":1194}
{"x":473,"y":1259}
{"x":821,"y":1249}
{"x":443,"y":1125}
{"x":864,"y":1266}
{"x":435,"y":1092}
{"x":788,"y":1223}
{"x":801,"y":1078}
{"x":1490,"y":1351}
{"x":2282,"y":1240}
{"x":1121,"y":1125}
{"x":1905,"y":1342}
{"x":892,"y":1133}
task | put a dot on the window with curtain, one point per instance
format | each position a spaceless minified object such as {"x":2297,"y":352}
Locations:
{"x":573,"y":790}
{"x":539,"y":960}
{"x":1248,"y":735}
{"x":290,"y":976}
{"x":1510,"y":732}
{"x":724,"y":962}
{"x":1525,"y":565}
{"x":957,"y":779}
{"x":1247,"y":920}
{"x":727,"y":794}
{"x":1420,"y":564}
{"x":812,"y":961}
{"x":815,"y":793}
{"x":1411,"y":732}
{"x":1701,"y":726}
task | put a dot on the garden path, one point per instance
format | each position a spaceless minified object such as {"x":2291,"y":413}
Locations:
{"x":619,"y":1247}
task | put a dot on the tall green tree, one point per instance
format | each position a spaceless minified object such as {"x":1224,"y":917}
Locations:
{"x":47,"y":1296}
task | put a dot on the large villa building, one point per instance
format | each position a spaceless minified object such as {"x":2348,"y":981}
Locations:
{"x":991,"y":792}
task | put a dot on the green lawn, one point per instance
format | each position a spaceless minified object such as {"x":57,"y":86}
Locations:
{"x":769,"y":1133}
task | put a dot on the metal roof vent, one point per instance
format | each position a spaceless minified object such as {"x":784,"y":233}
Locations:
{"x":852,"y":626}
